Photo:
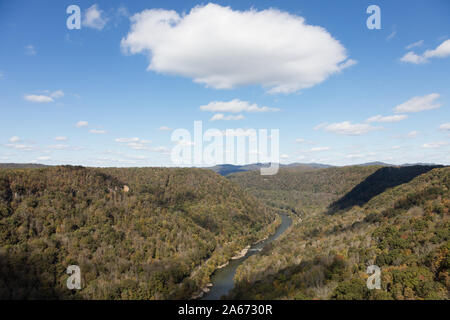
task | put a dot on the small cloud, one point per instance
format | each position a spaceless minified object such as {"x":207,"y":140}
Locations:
{"x":415,"y":44}
{"x":221,"y":116}
{"x":284,"y":156}
{"x":14,"y":139}
{"x":97,"y":131}
{"x":21,"y":147}
{"x":58,"y":147}
{"x":127,"y":140}
{"x":412,"y":134}
{"x":94,"y":18}
{"x":81,"y":124}
{"x":391,"y":35}
{"x":321,"y":125}
{"x":299,"y":140}
{"x":38,"y":98}
{"x":319,"y":149}
{"x":235,"y":106}
{"x":43,"y":158}
{"x":418,"y":104}
{"x":445,"y":126}
{"x":350,"y":129}
{"x":30,"y":50}
{"x":434,"y":145}
{"x":395,"y":118}
{"x":164,"y":128}
{"x":44,"y":98}
{"x":60,"y":138}
{"x":57,"y":94}
{"x":442,"y":51}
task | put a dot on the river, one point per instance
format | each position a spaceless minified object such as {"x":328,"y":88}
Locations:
{"x":222,"y":279}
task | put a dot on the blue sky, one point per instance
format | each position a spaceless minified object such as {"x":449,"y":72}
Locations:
{"x":111,"y":95}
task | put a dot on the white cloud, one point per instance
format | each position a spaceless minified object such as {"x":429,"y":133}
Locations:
{"x":299,"y":140}
{"x":43,"y":158}
{"x":14,"y":139}
{"x":38,"y":98}
{"x":94,"y":18}
{"x":442,"y":51}
{"x":284,"y":156}
{"x":418,"y":104}
{"x":58,"y":147}
{"x":235,"y":106}
{"x":380,"y":118}
{"x":98,"y":131}
{"x":127,"y":140}
{"x":411,"y":57}
{"x":221,"y":116}
{"x":445,"y":126}
{"x":434,"y":145}
{"x":391,"y":35}
{"x":134,"y":143}
{"x":81,"y":124}
{"x":347,"y":128}
{"x":415,"y":44}
{"x":412,"y":134}
{"x":319,"y":149}
{"x":44,"y":98}
{"x":60,"y":138}
{"x":321,"y":125}
{"x":57,"y":94}
{"x":19,"y":146}
{"x":223,"y":48}
{"x":164,"y":128}
{"x":30,"y":50}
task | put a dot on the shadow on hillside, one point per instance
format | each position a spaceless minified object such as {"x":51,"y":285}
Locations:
{"x":22,"y":279}
{"x":376,"y":183}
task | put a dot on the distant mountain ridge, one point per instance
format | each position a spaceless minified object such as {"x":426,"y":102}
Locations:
{"x":226,"y":169}
{"x":21,"y":165}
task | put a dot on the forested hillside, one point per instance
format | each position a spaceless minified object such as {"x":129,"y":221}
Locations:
{"x":135,"y":233}
{"x":347,"y":219}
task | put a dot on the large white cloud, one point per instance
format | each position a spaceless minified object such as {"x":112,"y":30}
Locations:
{"x":417,"y":104}
{"x":223,"y":48}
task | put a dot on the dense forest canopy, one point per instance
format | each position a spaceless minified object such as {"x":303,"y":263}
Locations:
{"x":136,"y":233}
{"x":347,"y":219}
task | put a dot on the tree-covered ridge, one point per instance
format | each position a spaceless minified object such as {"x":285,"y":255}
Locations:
{"x":144,"y":233}
{"x":303,"y":190}
{"x":405,"y":230}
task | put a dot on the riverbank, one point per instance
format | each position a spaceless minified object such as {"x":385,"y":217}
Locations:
{"x":223,"y":278}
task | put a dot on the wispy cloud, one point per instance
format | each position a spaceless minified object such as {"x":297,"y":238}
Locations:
{"x":445,"y":126}
{"x":349,"y":129}
{"x":415,"y":44}
{"x":380,"y":118}
{"x":442,"y":51}
{"x":30,"y":50}
{"x":221,"y":116}
{"x":98,"y":131}
{"x":435,"y":145}
{"x":94,"y":18}
{"x":41,"y":98}
{"x":420,"y":103}
{"x":235,"y":106}
{"x":81,"y":124}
